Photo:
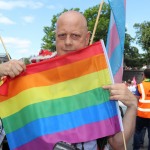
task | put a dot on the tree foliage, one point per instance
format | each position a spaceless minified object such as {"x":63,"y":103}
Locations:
{"x":143,"y":38}
{"x":131,"y":54}
{"x":103,"y":22}
{"x":27,"y":61}
{"x":132,"y":57}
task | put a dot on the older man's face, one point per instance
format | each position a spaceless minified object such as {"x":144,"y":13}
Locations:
{"x":71,"y":35}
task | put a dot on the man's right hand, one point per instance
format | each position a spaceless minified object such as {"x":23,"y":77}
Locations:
{"x":12,"y":68}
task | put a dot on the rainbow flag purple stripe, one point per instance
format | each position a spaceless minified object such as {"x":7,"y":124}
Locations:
{"x":116,"y":37}
{"x":60,"y":99}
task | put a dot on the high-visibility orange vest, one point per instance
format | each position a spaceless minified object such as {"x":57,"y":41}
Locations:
{"x":144,"y":101}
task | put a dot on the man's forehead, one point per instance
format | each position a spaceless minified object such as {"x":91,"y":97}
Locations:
{"x":72,"y":18}
{"x":69,"y":31}
{"x":70,"y":27}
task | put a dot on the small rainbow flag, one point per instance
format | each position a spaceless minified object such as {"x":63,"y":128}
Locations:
{"x":60,"y":99}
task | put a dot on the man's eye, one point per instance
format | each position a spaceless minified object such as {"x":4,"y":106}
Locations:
{"x":62,"y":36}
{"x":75,"y":36}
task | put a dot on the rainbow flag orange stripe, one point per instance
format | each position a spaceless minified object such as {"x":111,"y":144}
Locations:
{"x":61,"y":99}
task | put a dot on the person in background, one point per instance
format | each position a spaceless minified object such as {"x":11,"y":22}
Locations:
{"x":143,"y":111}
{"x":131,"y":86}
{"x":72,"y":34}
{"x":144,"y":67}
{"x":142,"y":136}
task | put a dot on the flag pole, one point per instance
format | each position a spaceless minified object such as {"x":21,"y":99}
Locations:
{"x":4,"y":48}
{"x":124,"y":141}
{"x":95,"y":26}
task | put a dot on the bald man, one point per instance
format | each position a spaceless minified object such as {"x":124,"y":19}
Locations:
{"x":72,"y":34}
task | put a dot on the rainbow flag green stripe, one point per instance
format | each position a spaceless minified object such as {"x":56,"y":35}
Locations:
{"x":68,"y":104}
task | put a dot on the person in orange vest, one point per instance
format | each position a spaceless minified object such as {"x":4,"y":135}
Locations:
{"x":143,"y":110}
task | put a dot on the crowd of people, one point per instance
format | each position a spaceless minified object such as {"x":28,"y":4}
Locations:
{"x":142,"y":92}
{"x":136,"y":68}
{"x":72,"y":34}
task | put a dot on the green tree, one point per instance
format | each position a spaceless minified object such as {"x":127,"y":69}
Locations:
{"x":131,"y":53}
{"x":90,"y":14}
{"x":143,"y":38}
{"x":26,"y":61}
{"x":103,"y":22}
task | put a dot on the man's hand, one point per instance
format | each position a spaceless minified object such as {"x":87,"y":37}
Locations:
{"x":12,"y":68}
{"x":120,"y":92}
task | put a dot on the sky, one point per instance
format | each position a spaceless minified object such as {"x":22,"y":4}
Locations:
{"x":22,"y":21}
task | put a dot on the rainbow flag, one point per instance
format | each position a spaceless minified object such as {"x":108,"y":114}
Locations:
{"x":60,"y":99}
{"x":116,"y":37}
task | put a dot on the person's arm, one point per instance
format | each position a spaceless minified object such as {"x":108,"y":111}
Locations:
{"x":121,"y":93}
{"x":12,"y":68}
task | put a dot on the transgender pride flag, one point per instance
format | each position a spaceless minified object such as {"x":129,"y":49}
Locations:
{"x":116,"y":37}
{"x":60,"y":99}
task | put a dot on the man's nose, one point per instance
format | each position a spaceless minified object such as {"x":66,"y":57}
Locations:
{"x":68,"y":40}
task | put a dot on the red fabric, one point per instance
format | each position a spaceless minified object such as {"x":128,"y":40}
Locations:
{"x":43,"y":55}
{"x":45,"y":52}
{"x":4,"y":87}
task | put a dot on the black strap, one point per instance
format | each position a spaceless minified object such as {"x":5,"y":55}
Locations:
{"x":101,"y":142}
{"x":82,"y":145}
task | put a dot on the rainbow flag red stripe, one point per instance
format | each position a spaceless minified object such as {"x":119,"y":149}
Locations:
{"x":61,"y":99}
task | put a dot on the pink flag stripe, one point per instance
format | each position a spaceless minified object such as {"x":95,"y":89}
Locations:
{"x":125,"y":5}
{"x":114,"y":40}
{"x":53,"y":138}
{"x":118,"y":75}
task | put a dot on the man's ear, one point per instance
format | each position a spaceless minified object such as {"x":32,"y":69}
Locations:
{"x":88,"y":38}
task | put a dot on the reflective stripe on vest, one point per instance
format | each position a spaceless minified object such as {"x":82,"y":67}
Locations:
{"x":142,"y":99}
{"x":144,"y":104}
{"x":143,"y":109}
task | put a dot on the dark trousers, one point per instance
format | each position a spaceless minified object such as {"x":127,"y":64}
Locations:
{"x":143,"y":132}
{"x":5,"y":144}
{"x":140,"y":124}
